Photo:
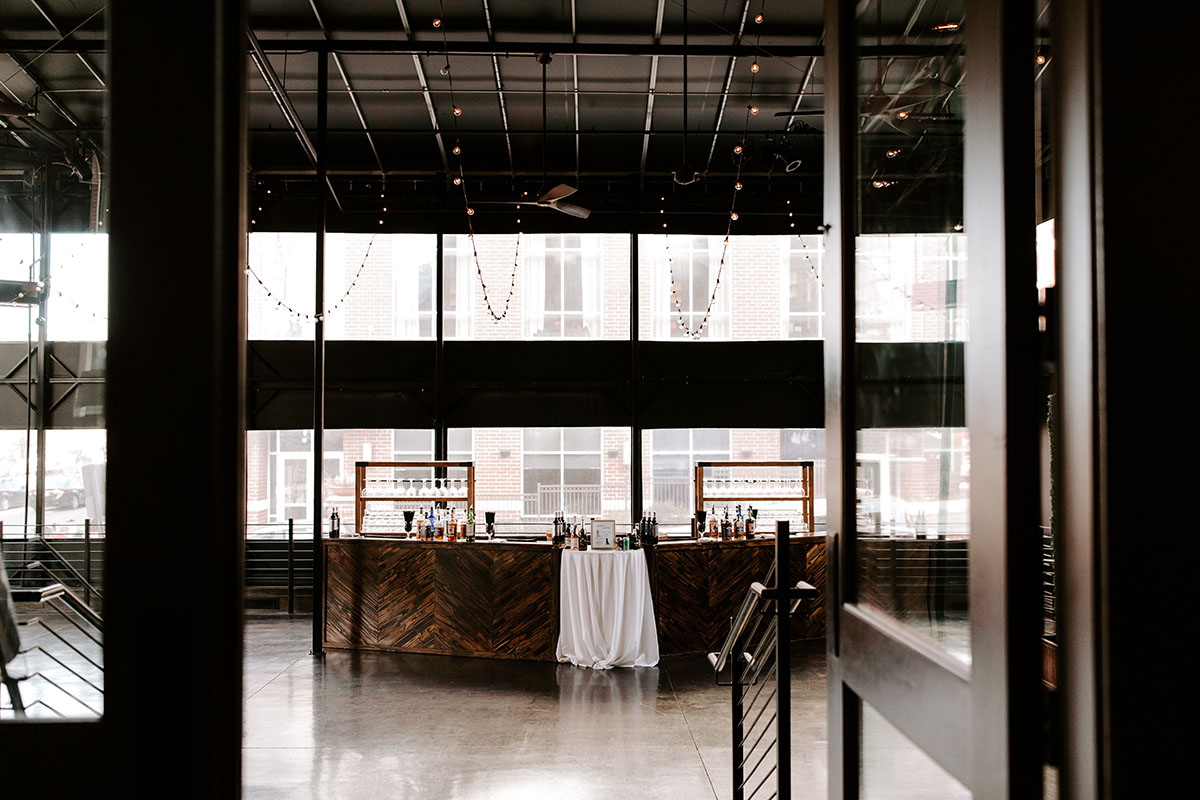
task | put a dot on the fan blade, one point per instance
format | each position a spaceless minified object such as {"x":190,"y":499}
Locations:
{"x":570,"y":208}
{"x":557,"y":193}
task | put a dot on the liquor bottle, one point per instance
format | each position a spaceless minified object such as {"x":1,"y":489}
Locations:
{"x":558,"y":529}
{"x":452,"y":528}
{"x":422,"y":524}
{"x":572,"y":537}
{"x":433,"y":529}
{"x":654,"y":527}
{"x":714,"y":524}
{"x":471,"y":524}
{"x":749,"y":522}
{"x":739,"y":524}
{"x":726,"y":526}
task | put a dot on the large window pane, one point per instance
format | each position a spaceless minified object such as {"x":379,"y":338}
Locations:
{"x":669,"y":457}
{"x":377,"y":286}
{"x":527,"y":475}
{"x":770,"y":287}
{"x":18,"y":480}
{"x":280,"y":476}
{"x":913,"y":452}
{"x":538,"y":286}
{"x":18,"y":262}
{"x":77,"y":308}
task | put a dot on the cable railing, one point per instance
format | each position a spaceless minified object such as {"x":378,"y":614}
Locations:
{"x":72,"y":555}
{"x":757,"y":656}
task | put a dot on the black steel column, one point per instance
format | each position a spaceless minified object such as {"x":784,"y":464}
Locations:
{"x":841,"y":114}
{"x":783,"y":659}
{"x":41,"y":397}
{"x":635,"y":395}
{"x":441,"y":436}
{"x":1005,"y":405}
{"x":318,"y":591}
{"x":177,"y":306}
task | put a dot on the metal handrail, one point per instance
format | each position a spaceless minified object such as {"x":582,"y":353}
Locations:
{"x":757,"y":652}
{"x":58,"y":590}
{"x":74,"y":572}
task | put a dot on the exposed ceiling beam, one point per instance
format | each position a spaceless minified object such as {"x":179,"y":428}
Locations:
{"x":430,"y":47}
{"x":82,"y":58}
{"x":487,"y":13}
{"x":433,"y":122}
{"x":525,"y":131}
{"x":658,"y":21}
{"x":575,"y":82}
{"x":337,"y":62}
{"x":808,"y":73}
{"x":285,"y":104}
{"x":737,"y":39}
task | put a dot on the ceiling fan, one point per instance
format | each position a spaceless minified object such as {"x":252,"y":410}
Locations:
{"x":556,"y":197}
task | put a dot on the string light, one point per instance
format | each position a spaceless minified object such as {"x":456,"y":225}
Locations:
{"x":460,"y":181}
{"x":279,"y":304}
{"x":738,"y":150}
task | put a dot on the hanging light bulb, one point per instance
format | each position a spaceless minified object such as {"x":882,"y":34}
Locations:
{"x":457,"y":181}
{"x":737,"y":150}
{"x":901,"y":115}
{"x":738,"y":185}
{"x":753,"y":110}
{"x":470,"y":212}
{"x":733,"y":215}
{"x":892,"y":153}
{"x":437,"y":22}
{"x":758,"y":18}
{"x":754,"y":67}
{"x":457,"y":111}
{"x":457,"y":150}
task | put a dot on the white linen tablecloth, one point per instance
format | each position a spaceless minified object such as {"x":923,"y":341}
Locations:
{"x":606,"y":615}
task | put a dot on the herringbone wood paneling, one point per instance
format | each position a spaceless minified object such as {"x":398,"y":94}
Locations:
{"x":701,"y":587}
{"x":684,"y":617}
{"x":523,"y":612}
{"x":440,"y":598}
{"x":407,"y":591}
{"x":351,"y":586}
{"x":463,"y":611}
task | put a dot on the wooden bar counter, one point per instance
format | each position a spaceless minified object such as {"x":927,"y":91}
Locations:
{"x":490,"y":599}
{"x":699,"y":586}
{"x":500,"y":600}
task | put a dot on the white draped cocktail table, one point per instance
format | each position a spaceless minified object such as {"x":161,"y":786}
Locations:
{"x":606,"y":614}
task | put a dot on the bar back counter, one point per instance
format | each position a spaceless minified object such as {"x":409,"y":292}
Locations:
{"x":500,"y":599}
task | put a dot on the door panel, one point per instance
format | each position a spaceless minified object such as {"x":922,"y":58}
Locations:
{"x":930,"y":366}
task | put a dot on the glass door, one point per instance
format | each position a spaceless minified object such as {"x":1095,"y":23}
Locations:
{"x":929,"y":542}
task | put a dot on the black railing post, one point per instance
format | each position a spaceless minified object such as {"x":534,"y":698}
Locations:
{"x":739,"y":757}
{"x":291,"y":566}
{"x":783,"y":665}
{"x":87,"y":560}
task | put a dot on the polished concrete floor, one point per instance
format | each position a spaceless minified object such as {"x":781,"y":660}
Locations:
{"x":375,"y":725}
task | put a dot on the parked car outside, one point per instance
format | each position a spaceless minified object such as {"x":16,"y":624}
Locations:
{"x":64,"y":490}
{"x":11,"y":493}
